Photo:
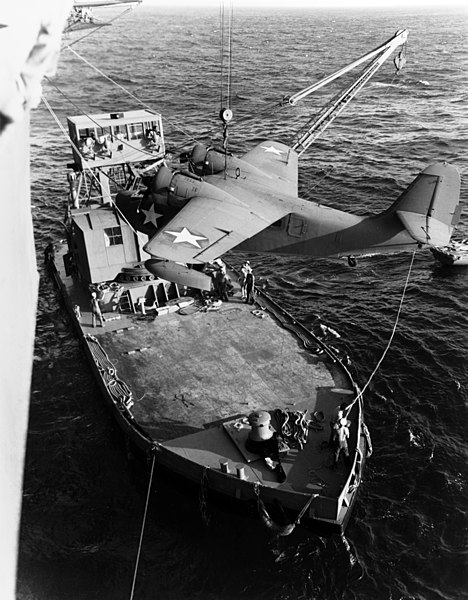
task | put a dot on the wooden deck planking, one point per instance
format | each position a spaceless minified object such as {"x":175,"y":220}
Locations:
{"x":223,"y":371}
{"x":233,"y":363}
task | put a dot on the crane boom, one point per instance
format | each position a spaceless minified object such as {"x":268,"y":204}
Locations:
{"x":317,"y":125}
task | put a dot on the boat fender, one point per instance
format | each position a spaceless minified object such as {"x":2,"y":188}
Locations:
{"x":366,"y":432}
{"x":278,"y":530}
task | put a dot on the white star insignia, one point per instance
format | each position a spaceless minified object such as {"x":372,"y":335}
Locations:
{"x":273,"y":150}
{"x":151,"y":216}
{"x":186,"y":236}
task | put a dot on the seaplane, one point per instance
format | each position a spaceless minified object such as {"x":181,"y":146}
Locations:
{"x":82,"y":15}
{"x":219,"y":202}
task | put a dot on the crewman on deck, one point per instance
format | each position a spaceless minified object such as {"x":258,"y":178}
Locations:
{"x":244,"y":270}
{"x":153,"y":139}
{"x":96,"y":310}
{"x":49,"y":253}
{"x":250,"y":287}
{"x":342,"y":435}
{"x":77,"y":311}
{"x":339,"y":413}
{"x":221,"y":285}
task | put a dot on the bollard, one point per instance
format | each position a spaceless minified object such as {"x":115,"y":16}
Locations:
{"x":241,"y":472}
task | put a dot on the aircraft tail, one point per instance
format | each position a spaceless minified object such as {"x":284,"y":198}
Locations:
{"x":430,"y":208}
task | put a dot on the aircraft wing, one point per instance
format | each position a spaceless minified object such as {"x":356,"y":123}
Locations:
{"x":231,"y":210}
{"x":275,"y":167}
{"x":206,"y":228}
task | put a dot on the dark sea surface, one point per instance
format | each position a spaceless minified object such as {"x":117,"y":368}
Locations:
{"x":84,"y":497}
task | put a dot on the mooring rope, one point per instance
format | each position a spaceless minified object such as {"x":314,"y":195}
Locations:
{"x":142,"y":528}
{"x":389,"y":343}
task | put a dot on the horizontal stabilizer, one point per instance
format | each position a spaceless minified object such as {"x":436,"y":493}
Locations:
{"x":429,"y":209}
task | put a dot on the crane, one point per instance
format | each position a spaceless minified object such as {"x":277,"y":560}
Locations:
{"x":317,"y":125}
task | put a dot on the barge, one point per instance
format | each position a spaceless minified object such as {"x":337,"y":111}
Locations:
{"x":234,"y":397}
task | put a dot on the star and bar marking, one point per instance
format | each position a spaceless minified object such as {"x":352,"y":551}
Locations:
{"x":151,"y":216}
{"x":273,"y":150}
{"x":186,"y":236}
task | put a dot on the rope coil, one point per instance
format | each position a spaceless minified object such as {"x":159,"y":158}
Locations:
{"x":117,"y":388}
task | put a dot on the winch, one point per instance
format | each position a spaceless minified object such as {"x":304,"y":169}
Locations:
{"x":261,"y":430}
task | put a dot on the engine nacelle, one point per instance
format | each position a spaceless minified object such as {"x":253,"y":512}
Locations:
{"x":178,"y":273}
{"x":177,"y":187}
{"x":207,"y":161}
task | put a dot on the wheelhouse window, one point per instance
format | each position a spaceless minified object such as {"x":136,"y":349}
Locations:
{"x":119,"y":132}
{"x":136,"y":131}
{"x":113,"y":236}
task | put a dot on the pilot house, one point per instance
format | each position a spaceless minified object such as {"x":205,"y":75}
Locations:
{"x":110,"y":152}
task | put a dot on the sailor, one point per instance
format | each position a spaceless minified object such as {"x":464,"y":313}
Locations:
{"x":86,"y":146}
{"x":339,"y":413}
{"x":220,"y":280}
{"x":342,"y":435}
{"x":77,"y":311}
{"x":49,"y":253}
{"x":250,"y":287}
{"x":244,"y":270}
{"x":96,"y":310}
{"x":102,"y":146}
{"x":153,"y":138}
{"x":220,"y":265}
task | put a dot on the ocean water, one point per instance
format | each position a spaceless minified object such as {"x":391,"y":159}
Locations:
{"x":84,"y":496}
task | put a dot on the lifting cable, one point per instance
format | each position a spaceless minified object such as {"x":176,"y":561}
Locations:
{"x":225,"y":113}
{"x":228,"y":90}
{"x":361,"y":392}
{"x":221,"y":53}
{"x":143,"y":527}
{"x":225,"y":49}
